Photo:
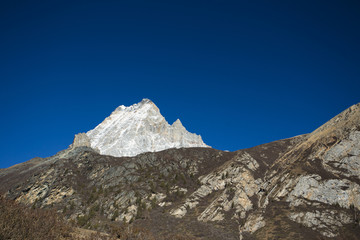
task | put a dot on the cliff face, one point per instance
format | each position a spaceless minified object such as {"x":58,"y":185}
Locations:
{"x":306,"y":187}
{"x":316,"y":183}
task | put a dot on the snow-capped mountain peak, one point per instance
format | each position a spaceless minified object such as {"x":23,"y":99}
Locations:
{"x":139,"y":128}
{"x":145,"y":104}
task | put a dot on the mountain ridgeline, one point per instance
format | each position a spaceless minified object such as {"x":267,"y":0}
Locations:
{"x":140,"y":128}
{"x":135,"y":169}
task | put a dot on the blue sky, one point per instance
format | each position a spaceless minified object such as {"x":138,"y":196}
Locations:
{"x":239,"y":73}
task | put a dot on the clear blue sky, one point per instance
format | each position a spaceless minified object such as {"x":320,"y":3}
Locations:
{"x":239,"y":73}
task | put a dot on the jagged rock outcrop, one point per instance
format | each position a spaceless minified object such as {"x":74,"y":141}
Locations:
{"x":81,"y":140}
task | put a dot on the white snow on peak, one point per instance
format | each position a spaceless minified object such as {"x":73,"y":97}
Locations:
{"x":140,"y":128}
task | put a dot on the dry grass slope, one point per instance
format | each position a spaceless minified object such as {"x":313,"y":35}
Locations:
{"x":19,"y":222}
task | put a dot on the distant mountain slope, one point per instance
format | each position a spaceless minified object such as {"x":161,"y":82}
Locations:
{"x":140,"y":128}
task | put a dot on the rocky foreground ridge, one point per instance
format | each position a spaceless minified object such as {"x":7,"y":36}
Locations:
{"x":306,"y":187}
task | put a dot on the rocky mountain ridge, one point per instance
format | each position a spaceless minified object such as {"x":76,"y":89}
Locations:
{"x":306,"y":187}
{"x":136,"y":129}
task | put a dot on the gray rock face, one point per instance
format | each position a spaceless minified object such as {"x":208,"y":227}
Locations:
{"x":81,"y":140}
{"x":344,"y":157}
{"x":326,"y":222}
{"x":334,"y":191}
{"x":252,"y":224}
{"x":230,"y":180}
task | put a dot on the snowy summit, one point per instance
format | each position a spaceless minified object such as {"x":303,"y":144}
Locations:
{"x":136,"y":129}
